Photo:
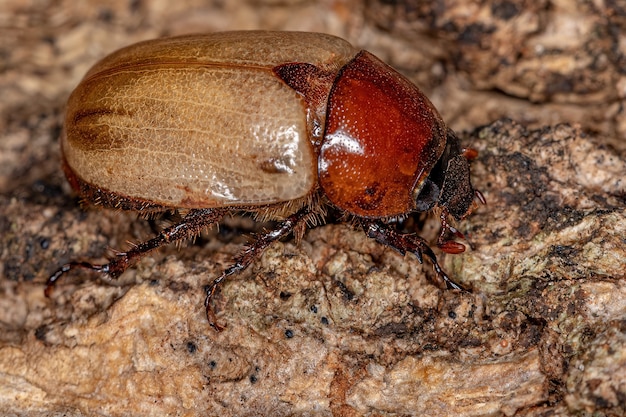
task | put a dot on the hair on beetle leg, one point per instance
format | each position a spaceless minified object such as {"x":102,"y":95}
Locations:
{"x":194,"y":222}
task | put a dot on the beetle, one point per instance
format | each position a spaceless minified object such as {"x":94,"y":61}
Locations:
{"x":283,"y":125}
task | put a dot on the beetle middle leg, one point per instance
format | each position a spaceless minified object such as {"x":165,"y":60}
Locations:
{"x":191,"y":225}
{"x":405,"y":242}
{"x":250,"y":253}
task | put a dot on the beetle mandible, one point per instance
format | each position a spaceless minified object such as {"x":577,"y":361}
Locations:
{"x":279,"y":124}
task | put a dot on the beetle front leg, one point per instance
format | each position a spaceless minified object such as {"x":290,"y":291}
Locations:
{"x":249,"y":254}
{"x":403,"y":243}
{"x":449,"y":246}
{"x":191,"y":225}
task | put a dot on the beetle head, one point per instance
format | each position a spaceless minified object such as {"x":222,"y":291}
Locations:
{"x":448,"y":185}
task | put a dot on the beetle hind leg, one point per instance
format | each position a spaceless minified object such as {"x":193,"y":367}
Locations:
{"x":52,"y":280}
{"x":403,"y":243}
{"x":191,"y":225}
{"x":250,"y":253}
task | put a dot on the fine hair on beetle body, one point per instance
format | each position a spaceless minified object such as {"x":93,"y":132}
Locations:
{"x":283,"y":125}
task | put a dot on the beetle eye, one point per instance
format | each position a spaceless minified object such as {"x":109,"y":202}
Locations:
{"x":428,"y":196}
